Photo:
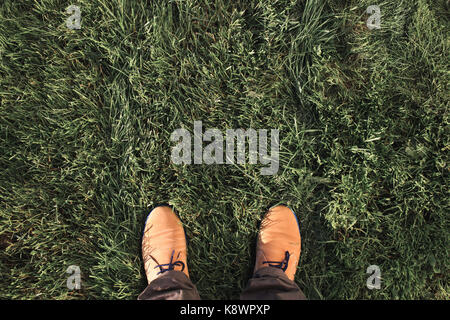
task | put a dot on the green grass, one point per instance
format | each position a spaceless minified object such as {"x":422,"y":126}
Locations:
{"x":86,"y":117}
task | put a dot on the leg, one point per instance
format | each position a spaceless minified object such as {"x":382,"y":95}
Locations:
{"x":172,"y":285}
{"x":271,"y":284}
{"x":277,"y":255}
{"x":165,"y":258}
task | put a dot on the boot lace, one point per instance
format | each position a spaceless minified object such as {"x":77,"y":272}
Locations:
{"x":171,"y":265}
{"x":280,"y":264}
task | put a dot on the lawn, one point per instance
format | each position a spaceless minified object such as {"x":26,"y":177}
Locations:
{"x":86,"y":117}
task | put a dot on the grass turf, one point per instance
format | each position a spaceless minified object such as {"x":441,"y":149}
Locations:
{"x":86,"y":116}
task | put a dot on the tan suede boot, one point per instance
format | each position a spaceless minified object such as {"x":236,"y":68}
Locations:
{"x":279,"y":241}
{"x":163,"y":243}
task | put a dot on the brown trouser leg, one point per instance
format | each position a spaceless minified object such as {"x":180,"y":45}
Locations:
{"x":171,"y":285}
{"x":270,"y":283}
{"x":267,"y":284}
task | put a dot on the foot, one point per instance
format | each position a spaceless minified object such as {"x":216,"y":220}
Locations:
{"x":163,"y":243}
{"x":279,"y":241}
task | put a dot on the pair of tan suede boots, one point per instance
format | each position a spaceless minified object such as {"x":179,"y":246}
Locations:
{"x":164,"y":242}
